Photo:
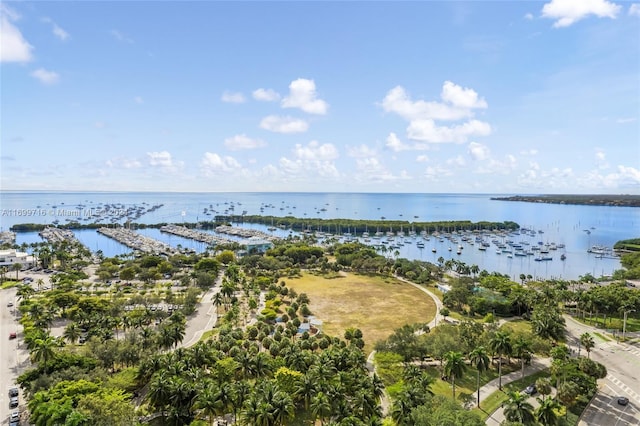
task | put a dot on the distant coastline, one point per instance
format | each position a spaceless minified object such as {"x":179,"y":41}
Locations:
{"x":622,"y":200}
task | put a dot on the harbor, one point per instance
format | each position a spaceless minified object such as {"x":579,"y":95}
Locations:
{"x":136,"y":241}
{"x":204,"y":237}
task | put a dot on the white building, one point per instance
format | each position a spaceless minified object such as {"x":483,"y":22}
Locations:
{"x":10,"y":257}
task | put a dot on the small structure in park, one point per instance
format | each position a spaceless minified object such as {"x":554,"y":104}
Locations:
{"x":258,"y":245}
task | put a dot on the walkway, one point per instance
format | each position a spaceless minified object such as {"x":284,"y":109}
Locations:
{"x":537,"y":364}
{"x":435,"y":298}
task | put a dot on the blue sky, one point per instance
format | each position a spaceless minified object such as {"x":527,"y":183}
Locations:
{"x":487,"y":97}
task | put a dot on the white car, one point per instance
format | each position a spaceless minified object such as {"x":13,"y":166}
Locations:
{"x":10,"y":304}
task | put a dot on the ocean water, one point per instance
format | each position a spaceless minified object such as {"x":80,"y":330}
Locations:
{"x":560,"y":224}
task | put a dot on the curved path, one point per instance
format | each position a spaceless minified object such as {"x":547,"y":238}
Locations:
{"x":435,"y":298}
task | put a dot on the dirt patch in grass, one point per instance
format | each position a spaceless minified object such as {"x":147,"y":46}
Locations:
{"x":375,"y":305}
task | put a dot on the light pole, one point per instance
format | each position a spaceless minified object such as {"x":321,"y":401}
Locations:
{"x":624,"y":323}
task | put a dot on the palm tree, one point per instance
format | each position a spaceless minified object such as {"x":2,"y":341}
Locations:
{"x":587,"y":341}
{"x":501,"y":345}
{"x":454,"y":368}
{"x":522,"y":350}
{"x":480,"y":360}
{"x":320,"y":406}
{"x":72,"y":332}
{"x":543,"y":385}
{"x":16,"y":267}
{"x":43,"y":349}
{"x":546,"y":414}
{"x":208,"y":402}
{"x":518,"y":409}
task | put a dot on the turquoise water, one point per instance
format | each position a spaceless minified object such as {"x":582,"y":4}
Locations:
{"x":561,"y":224}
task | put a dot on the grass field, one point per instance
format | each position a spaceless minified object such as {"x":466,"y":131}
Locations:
{"x":375,"y":305}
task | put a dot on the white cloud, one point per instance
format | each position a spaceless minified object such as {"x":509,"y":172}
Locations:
{"x":626,"y":120}
{"x":233,"y":97}
{"x":45,"y":77}
{"x":372,"y":170}
{"x":57,"y":30}
{"x":267,"y":95}
{"x":478,"y":152}
{"x":395,"y":144}
{"x":361,"y":151}
{"x":163,"y":160}
{"x":302,"y":94}
{"x":458,"y":161}
{"x":457,"y":103}
{"x":242,"y":141}
{"x":461,"y":96}
{"x":634,"y":9}
{"x":213,"y":164}
{"x":422,"y":159}
{"x":124,"y":163}
{"x":529,"y":153}
{"x":316,"y":152}
{"x":13,"y":46}
{"x":568,"y":12}
{"x":528,"y":16}
{"x":138,"y":100}
{"x":286,"y":124}
{"x":120,"y":36}
{"x":428,"y":131}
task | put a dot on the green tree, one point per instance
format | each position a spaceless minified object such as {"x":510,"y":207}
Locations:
{"x":518,"y":409}
{"x":586,"y":340}
{"x":454,"y":368}
{"x":480,"y":360}
{"x":546,"y":413}
{"x":501,"y":346}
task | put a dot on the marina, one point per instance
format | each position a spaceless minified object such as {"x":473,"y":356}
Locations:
{"x":192,"y":234}
{"x":136,"y":241}
{"x":545,"y":229}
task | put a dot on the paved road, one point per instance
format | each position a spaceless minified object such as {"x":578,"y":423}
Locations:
{"x":623,"y":366}
{"x":10,"y":354}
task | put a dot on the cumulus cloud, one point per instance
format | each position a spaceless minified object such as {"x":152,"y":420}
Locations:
{"x":395,"y":144}
{"x":302,"y":94}
{"x":232,"y":97}
{"x":422,"y":158}
{"x":528,"y":16}
{"x":267,"y":95}
{"x":13,"y":46}
{"x":529,"y":152}
{"x":634,"y":9}
{"x":286,"y":124}
{"x":242,"y":141}
{"x":163,"y":160}
{"x":57,"y":30}
{"x":213,"y":164}
{"x":428,"y":131}
{"x":568,"y":12}
{"x":45,"y":77}
{"x":314,"y":151}
{"x":478,"y":151}
{"x":457,"y":103}
{"x":601,"y":160}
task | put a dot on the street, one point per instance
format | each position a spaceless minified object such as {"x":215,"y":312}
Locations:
{"x":623,"y":366}
{"x":9,"y":367}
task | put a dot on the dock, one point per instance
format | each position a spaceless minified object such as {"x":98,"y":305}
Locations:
{"x":7,"y":237}
{"x":137,"y":241}
{"x":245,"y":233}
{"x":58,"y":235}
{"x":204,"y":237}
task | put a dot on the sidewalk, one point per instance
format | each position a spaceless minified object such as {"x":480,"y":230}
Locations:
{"x":537,"y":364}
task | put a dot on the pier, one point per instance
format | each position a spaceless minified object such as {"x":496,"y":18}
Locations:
{"x":58,"y":235}
{"x":136,"y":241}
{"x":192,"y":234}
{"x":245,"y":233}
{"x":7,"y":237}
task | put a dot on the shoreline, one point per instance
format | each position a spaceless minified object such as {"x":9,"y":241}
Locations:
{"x":582,"y":200}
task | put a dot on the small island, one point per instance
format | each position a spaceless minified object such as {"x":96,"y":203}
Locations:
{"x":622,"y":200}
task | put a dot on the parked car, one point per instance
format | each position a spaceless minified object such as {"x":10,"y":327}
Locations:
{"x":12,"y":335}
{"x":13,"y":392}
{"x":15,"y":416}
{"x":13,"y":402}
{"x":531,"y":390}
{"x":9,"y":305}
{"x":623,"y":400}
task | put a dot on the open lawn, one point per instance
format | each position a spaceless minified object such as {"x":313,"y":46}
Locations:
{"x":375,"y":305}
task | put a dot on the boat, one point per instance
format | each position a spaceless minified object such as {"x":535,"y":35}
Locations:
{"x":563,"y":256}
